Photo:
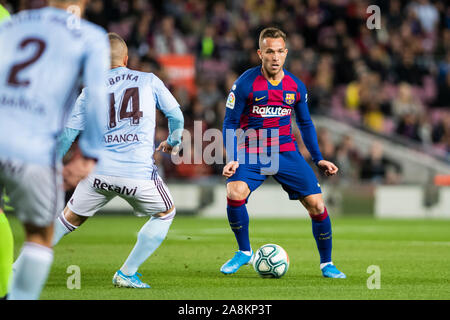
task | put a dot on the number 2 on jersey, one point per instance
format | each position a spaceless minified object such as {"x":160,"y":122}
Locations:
{"x":15,"y":69}
{"x":135,"y":114}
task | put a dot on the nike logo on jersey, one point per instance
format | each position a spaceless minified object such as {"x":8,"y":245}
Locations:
{"x":257,"y":99}
{"x":271,"y":111}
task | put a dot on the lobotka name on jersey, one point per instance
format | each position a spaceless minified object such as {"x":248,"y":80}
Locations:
{"x":128,"y":76}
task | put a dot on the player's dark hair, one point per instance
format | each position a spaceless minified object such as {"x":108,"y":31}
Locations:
{"x":271,"y":32}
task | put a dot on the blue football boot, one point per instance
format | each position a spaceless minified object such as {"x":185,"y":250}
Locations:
{"x":233,"y":265}
{"x":121,"y":280}
{"x":330,"y":271}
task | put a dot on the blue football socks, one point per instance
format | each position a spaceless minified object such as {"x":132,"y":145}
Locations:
{"x":321,"y":228}
{"x":238,"y":219}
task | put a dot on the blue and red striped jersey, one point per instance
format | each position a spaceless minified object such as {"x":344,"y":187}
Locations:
{"x":263,"y":109}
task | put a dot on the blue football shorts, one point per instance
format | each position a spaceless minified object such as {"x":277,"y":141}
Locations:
{"x":288,"y":168}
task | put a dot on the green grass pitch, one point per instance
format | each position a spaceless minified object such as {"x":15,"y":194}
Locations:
{"x":413,"y":257}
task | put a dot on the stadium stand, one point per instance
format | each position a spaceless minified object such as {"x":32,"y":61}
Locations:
{"x":393,"y":82}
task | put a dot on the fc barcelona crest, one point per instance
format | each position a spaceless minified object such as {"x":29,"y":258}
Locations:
{"x":289,"y":98}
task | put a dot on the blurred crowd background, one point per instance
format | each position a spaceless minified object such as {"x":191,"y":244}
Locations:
{"x":393,"y":81}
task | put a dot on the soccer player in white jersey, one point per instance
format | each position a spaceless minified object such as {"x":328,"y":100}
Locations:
{"x":46,"y":53}
{"x":127,"y":167}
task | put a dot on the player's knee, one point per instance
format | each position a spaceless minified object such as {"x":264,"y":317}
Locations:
{"x":314,"y":204}
{"x":74,"y":218}
{"x":315,"y":207}
{"x":237,"y":191}
{"x":166,"y":215}
{"x":39,"y":235}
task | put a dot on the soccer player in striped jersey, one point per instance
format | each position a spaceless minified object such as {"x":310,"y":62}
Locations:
{"x":127,"y":168}
{"x":46,"y":54}
{"x":260,"y":104}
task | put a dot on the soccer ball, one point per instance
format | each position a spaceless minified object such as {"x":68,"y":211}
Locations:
{"x":271,"y":261}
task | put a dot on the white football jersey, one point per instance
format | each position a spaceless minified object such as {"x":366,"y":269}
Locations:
{"x":129,"y":133}
{"x":46,"y":54}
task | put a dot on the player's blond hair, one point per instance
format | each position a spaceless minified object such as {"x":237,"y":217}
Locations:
{"x":119,"y":49}
{"x":271,"y":32}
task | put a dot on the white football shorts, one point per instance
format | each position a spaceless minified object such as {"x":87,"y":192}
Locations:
{"x":147,"y":197}
{"x":35,"y":191}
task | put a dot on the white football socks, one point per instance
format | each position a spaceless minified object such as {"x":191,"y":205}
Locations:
{"x":323,"y":265}
{"x":31,"y":271}
{"x":61,"y":228}
{"x":149,"y":239}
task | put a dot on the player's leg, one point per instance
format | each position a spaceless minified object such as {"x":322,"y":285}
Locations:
{"x":67,"y":222}
{"x":153,"y":199}
{"x":37,"y":195}
{"x":237,"y":194}
{"x":84,"y":203}
{"x":149,"y":238}
{"x":33,"y":264}
{"x":321,"y":228}
{"x":299,"y":180}
{"x":247,"y":179}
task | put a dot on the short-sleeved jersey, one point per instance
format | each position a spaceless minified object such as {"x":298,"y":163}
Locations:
{"x":262,"y":105}
{"x":129,"y":131}
{"x":46,"y":54}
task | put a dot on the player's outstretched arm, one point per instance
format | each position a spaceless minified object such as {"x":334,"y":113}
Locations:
{"x":176,"y":126}
{"x":306,"y":126}
{"x":234,"y":108}
{"x":167,"y":103}
{"x":167,"y":148}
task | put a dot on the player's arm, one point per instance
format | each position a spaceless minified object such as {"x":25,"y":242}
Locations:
{"x":309,"y":135}
{"x":95,"y":68}
{"x":75,"y":124}
{"x":169,"y":106}
{"x":65,"y":141}
{"x":234,"y":107}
